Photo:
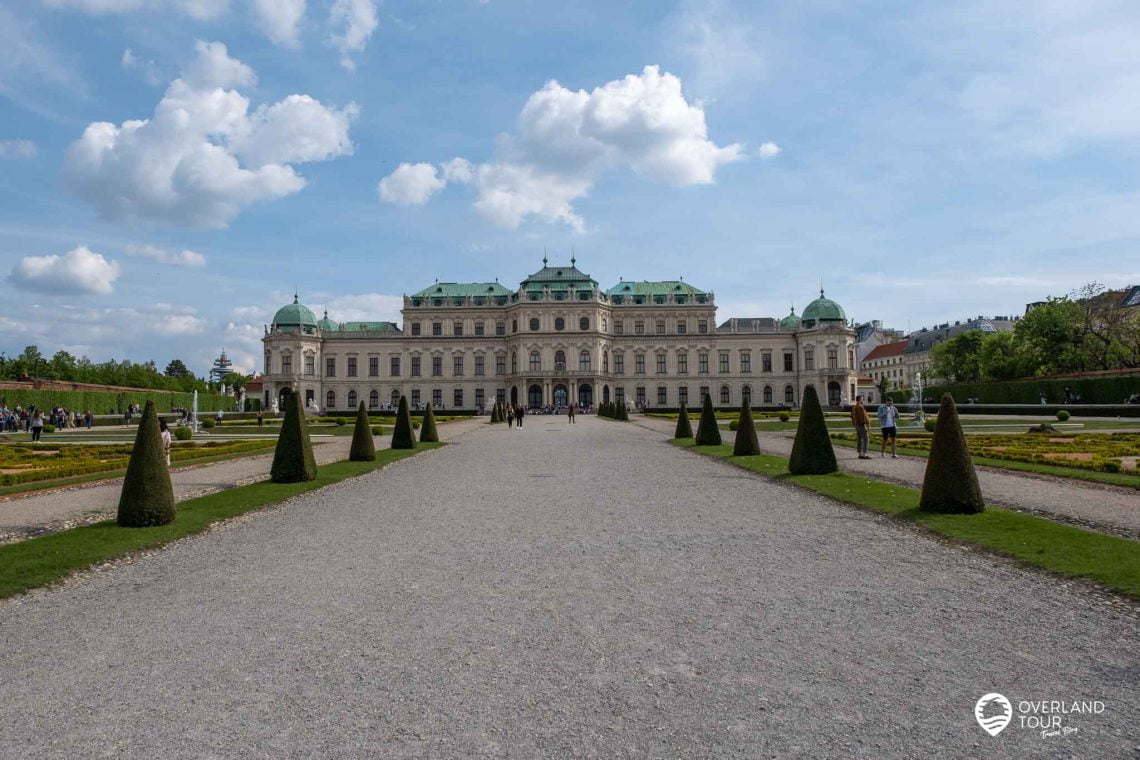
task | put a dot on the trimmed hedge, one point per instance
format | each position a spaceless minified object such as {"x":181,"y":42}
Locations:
{"x":428,"y":432}
{"x":812,"y":452}
{"x":746,"y":443}
{"x":113,"y":402}
{"x":684,"y":427}
{"x":363,"y":448}
{"x":708,"y":434}
{"x":183,"y":433}
{"x":950,"y":485}
{"x":1092,"y":390}
{"x":293,"y":460}
{"x":147,"y":497}
{"x":402,"y":435}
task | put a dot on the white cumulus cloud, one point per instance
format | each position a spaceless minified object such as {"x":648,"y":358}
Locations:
{"x":12,"y":149}
{"x":80,"y":270}
{"x":352,"y":23}
{"x":768,"y":150}
{"x":200,"y":9}
{"x":565,"y":140}
{"x":144,"y":67}
{"x":183,"y":258}
{"x":410,"y":184}
{"x":203,"y":156}
{"x":280,"y":20}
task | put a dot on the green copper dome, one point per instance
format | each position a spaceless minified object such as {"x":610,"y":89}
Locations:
{"x":327,"y":324}
{"x":791,"y":321}
{"x":824,"y":310}
{"x":295,"y":314}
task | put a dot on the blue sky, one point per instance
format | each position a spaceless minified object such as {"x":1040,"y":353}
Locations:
{"x":928,"y":161}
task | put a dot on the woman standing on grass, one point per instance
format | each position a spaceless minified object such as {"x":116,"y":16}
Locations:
{"x":167,"y":441}
{"x":37,"y":425}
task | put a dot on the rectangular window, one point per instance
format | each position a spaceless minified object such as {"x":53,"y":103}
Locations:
{"x":661,"y":327}
{"x":500,"y":365}
{"x":457,"y":366}
{"x":704,"y":393}
{"x":415,"y":398}
{"x":437,"y":328}
{"x":639,"y":327}
{"x":415,"y":366}
{"x":682,"y":364}
{"x":395,"y":366}
{"x":639,"y":364}
{"x":415,"y":329}
{"x":661,"y":364}
{"x":500,"y":328}
{"x":286,"y":364}
{"x":722,"y":363}
{"x":437,"y":397}
{"x":480,"y":399}
{"x":619,"y":327}
{"x":352,"y":366}
{"x":478,"y":328}
{"x":766,"y":361}
{"x":662,"y":395}
{"x":457,"y":328}
{"x":619,"y":394}
{"x":619,"y":364}
{"x":745,"y":361}
{"x":639,"y":395}
{"x":788,"y":361}
{"x":373,"y":366}
{"x":682,"y":327}
{"x":683,"y":395}
{"x":310,"y":364}
{"x":832,"y":358}
{"x":479,"y":365}
{"x":725,"y":398}
{"x":703,"y":326}
{"x":457,"y":398}
{"x":501,"y":395}
{"x":702,"y":363}
{"x":436,"y":366}
{"x":330,"y":366}
{"x":809,"y":359}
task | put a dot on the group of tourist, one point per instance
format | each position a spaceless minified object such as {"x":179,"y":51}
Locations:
{"x":32,"y":420}
{"x":888,"y":415}
{"x":515,"y":415}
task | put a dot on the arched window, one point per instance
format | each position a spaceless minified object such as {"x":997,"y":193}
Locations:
{"x":514,"y":361}
{"x":639,"y":395}
{"x":584,"y":360}
{"x":373,"y":399}
{"x":514,"y":325}
{"x":533,"y":323}
{"x":352,"y":399}
{"x":584,"y":323}
{"x":725,"y":394}
{"x":767,"y":394}
{"x":330,"y":400}
{"x":395,"y":398}
{"x":559,"y":324}
{"x":789,"y":394}
{"x":746,"y":395}
{"x":535,"y":361}
{"x":605,"y":361}
{"x":559,"y":360}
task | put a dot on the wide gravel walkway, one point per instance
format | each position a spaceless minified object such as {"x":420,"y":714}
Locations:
{"x":586,"y":591}
{"x":40,"y":512}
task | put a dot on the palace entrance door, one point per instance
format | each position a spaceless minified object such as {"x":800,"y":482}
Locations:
{"x":585,"y":395}
{"x":534,"y":396}
{"x":561,"y":396}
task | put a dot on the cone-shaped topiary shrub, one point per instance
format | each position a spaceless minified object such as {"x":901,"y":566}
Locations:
{"x":623,"y":412}
{"x":684,"y":427}
{"x":812,"y":453}
{"x":402,"y":435}
{"x":950,"y":484}
{"x":495,"y":412}
{"x":147,"y":498}
{"x":293,"y":458}
{"x":746,"y":443}
{"x":428,"y":433}
{"x":708,"y":434}
{"x":363,"y":448}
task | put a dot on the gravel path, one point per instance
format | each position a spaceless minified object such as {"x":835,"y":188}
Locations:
{"x":1094,"y":505}
{"x":586,"y":591}
{"x":57,"y":509}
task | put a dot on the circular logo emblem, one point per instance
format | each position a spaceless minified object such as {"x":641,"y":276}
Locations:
{"x":994,"y":712}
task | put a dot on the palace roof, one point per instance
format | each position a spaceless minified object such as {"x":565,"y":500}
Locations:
{"x":462,"y":290}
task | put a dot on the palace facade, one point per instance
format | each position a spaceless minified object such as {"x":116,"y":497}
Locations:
{"x":559,"y":337}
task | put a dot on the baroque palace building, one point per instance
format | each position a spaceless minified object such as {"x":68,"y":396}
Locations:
{"x":559,"y":337}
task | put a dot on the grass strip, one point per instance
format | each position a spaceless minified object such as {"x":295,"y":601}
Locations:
{"x":1124,"y":479}
{"x":40,"y":561}
{"x":1063,"y":549}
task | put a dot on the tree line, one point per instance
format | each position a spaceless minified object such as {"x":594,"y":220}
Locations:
{"x":32,"y":364}
{"x":1089,"y":329}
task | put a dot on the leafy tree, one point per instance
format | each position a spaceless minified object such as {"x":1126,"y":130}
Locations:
{"x":950,"y":484}
{"x":1051,"y":335}
{"x":63,"y":366}
{"x":293,"y":460}
{"x":147,"y":498}
{"x":957,"y":358}
{"x":363,"y":447}
{"x":235,"y":379}
{"x":812,"y":452}
{"x":999,"y":357}
{"x":708,"y":434}
{"x":176,"y":368}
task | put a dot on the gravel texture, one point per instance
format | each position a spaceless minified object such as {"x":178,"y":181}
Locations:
{"x":1110,"y":509}
{"x":586,"y":591}
{"x":57,"y":509}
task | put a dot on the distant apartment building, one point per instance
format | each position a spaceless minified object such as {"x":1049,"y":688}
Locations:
{"x":871,"y":335}
{"x":917,"y":356}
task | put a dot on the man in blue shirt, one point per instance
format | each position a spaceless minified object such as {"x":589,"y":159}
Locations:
{"x":888,"y":426}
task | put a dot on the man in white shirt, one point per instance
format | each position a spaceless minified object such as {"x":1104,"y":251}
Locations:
{"x":888,"y":426}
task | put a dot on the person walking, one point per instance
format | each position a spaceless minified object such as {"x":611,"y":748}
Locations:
{"x":520,"y":410}
{"x":510,"y":416}
{"x":260,"y":418}
{"x":89,"y":419}
{"x":861,"y":420}
{"x":167,"y":439}
{"x":218,"y":418}
{"x":888,"y":426}
{"x":570,"y":413}
{"x":37,"y":425}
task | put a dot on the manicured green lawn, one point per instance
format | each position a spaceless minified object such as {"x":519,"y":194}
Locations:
{"x":1108,"y":560}
{"x":40,"y":561}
